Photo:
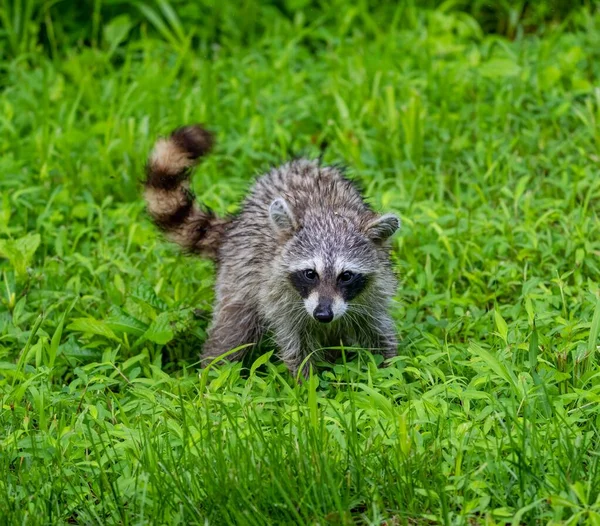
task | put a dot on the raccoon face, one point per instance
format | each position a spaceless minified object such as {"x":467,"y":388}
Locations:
{"x":329,"y":259}
{"x":325,"y":291}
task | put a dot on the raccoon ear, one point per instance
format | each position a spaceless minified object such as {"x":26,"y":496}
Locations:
{"x":281,"y":216}
{"x":383,"y":227}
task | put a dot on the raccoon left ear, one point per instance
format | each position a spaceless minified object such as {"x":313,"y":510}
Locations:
{"x":281,"y":216}
{"x":383,"y":227}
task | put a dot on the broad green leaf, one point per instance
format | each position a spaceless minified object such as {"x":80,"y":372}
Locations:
{"x":20,"y":251}
{"x":499,"y":68}
{"x":495,"y":365}
{"x":501,"y":325}
{"x":377,"y":400}
{"x":27,"y":245}
{"x":93,"y":326}
{"x":120,"y":321}
{"x":116,"y":31}
{"x":160,"y":330}
{"x":264,"y":358}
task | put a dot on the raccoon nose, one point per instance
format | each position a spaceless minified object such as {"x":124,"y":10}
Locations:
{"x":323,"y":313}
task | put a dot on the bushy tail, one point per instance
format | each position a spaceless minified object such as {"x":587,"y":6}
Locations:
{"x":170,"y":202}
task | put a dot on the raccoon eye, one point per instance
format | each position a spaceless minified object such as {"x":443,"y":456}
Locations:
{"x":346,"y":276}
{"x":310,"y":274}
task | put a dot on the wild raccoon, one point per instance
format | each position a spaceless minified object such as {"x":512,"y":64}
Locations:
{"x":306,"y":259}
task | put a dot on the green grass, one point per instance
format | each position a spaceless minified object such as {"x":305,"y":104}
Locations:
{"x":487,"y":148}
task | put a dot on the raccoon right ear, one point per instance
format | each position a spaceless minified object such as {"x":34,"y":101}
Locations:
{"x":281,"y":216}
{"x":383,"y":227}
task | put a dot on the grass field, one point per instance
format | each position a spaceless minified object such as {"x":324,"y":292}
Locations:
{"x":487,"y":147}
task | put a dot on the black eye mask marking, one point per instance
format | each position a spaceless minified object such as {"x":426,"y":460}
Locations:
{"x":302,"y":283}
{"x":352,"y":288}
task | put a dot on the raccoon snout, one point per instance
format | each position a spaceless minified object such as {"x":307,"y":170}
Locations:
{"x":323,"y":312}
{"x":325,"y":308}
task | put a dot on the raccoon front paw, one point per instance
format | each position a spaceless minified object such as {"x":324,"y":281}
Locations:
{"x":387,"y":356}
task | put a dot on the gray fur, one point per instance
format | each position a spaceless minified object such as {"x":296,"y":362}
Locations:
{"x":281,"y":216}
{"x":297,"y":215}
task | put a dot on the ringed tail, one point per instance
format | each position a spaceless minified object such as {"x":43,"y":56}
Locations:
{"x":169,"y":200}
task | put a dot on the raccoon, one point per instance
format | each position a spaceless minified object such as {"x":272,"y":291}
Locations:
{"x":305,"y":261}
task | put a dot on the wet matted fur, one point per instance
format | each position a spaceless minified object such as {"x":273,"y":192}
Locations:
{"x":306,"y":260}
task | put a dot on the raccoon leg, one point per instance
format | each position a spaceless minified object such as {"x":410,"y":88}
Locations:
{"x":387,"y":341}
{"x":234,"y":324}
{"x":292,"y":352}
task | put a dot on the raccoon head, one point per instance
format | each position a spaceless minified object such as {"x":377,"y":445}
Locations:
{"x":331,"y":261}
